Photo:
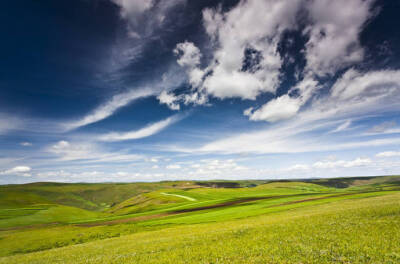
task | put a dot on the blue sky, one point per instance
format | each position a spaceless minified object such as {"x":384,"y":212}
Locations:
{"x":149,"y":90}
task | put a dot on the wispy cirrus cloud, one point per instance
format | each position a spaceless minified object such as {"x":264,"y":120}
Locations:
{"x":9,"y":122}
{"x":87,"y":152}
{"x":110,"y":107}
{"x":145,"y":16}
{"x":143,"y":132}
{"x":386,"y":154}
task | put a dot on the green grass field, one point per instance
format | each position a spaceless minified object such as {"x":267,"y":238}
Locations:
{"x":347,"y":220}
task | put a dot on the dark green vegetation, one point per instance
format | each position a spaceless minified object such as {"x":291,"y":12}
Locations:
{"x":309,"y":221}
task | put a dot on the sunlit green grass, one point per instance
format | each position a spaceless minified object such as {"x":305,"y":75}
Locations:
{"x":363,"y":230}
{"x":34,"y":218}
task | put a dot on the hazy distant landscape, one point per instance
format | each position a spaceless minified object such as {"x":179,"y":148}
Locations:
{"x":344,"y":220}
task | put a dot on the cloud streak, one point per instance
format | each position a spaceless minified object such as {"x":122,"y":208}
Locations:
{"x":147,"y":131}
{"x":109,"y":108}
{"x":86,"y":152}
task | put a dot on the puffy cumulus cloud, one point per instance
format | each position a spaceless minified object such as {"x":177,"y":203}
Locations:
{"x":342,"y":163}
{"x":143,"y":132}
{"x":19,"y":171}
{"x":333,"y":44}
{"x":246,"y":60}
{"x":247,"y":33}
{"x":283,"y":107}
{"x":329,"y":164}
{"x":189,"y":54}
{"x":170,"y":100}
{"x":233,"y":84}
{"x":354,"y":92}
{"x":67,"y":151}
{"x":333,"y":34}
{"x":387,"y":154}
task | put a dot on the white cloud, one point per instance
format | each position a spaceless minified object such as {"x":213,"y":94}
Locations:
{"x":88,"y":152}
{"x":216,"y":168}
{"x":342,"y":163}
{"x":333,"y":34}
{"x":144,"y":16}
{"x":223,"y":84}
{"x":18,"y":170}
{"x":107,"y":109}
{"x":283,"y":107}
{"x":102,"y":176}
{"x":384,"y":127}
{"x":355,"y":95}
{"x":287,"y":138}
{"x":169,"y":99}
{"x":247,"y":27}
{"x":298,"y":167}
{"x":286,"y":106}
{"x":342,"y":127}
{"x":26,"y":144}
{"x":256,"y":28}
{"x":173,"y":167}
{"x":76,"y":151}
{"x":245,"y":32}
{"x":189,"y":57}
{"x":121,"y":174}
{"x":141,"y":133}
{"x":85,"y":176}
{"x":133,"y":8}
{"x":386,"y":154}
{"x":8,"y":123}
{"x":357,"y":86}
{"x":189,"y":54}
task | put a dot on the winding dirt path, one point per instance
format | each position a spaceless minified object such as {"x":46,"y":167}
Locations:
{"x":180,"y":196}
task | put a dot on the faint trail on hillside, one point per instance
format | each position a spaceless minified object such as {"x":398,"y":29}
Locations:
{"x":181,"y":196}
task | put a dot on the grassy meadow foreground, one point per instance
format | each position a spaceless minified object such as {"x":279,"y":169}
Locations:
{"x":347,"y":220}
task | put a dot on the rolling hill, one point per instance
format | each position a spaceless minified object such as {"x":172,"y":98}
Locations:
{"x":38,"y":217}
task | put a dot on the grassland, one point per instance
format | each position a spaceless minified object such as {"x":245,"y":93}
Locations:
{"x":350,"y":220}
